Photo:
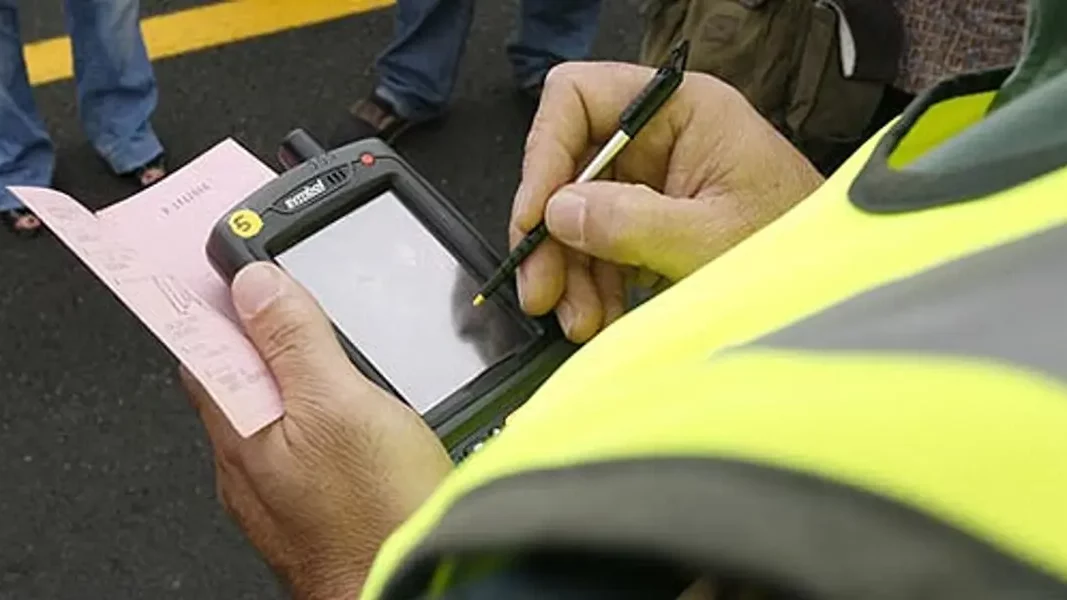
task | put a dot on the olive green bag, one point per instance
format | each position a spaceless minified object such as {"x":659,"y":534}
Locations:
{"x":817,"y":69}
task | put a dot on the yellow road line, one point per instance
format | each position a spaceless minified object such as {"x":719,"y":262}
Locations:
{"x":203,"y":27}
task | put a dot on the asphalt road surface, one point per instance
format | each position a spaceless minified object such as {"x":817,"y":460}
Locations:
{"x":106,"y":490}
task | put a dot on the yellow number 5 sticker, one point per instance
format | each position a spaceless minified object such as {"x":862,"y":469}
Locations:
{"x":245,"y":223}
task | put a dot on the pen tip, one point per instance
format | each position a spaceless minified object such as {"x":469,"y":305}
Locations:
{"x":478,"y":300}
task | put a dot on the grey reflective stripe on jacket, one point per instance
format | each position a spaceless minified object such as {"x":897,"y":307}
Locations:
{"x":1007,"y":303}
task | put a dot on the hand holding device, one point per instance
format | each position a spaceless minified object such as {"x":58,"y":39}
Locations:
{"x":707,"y":172}
{"x":319,"y":490}
{"x":394,"y":265}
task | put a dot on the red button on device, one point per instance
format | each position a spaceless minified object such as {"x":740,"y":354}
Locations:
{"x":366,"y":159}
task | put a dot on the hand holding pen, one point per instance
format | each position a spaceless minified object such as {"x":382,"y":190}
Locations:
{"x":632,"y":120}
{"x":707,"y":172}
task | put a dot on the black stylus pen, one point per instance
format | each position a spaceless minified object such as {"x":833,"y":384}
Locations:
{"x":633,"y":119}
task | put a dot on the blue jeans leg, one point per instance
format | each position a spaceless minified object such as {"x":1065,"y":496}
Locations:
{"x":551,"y":32}
{"x":116,"y":86}
{"x":417,"y":71}
{"x":26,"y":153}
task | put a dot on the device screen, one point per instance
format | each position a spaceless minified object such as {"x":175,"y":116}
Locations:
{"x":405,"y":302}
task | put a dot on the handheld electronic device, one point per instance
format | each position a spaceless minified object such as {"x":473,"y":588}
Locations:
{"x":394,"y":264}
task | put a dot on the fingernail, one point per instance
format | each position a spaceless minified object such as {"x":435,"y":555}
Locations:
{"x":519,"y":279}
{"x":522,"y":196}
{"x":255,"y":288}
{"x":565,"y":217}
{"x":566,"y":314}
{"x":520,"y":209}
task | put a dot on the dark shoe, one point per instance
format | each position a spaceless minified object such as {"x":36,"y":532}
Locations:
{"x":21,"y":222}
{"x":372,"y":117}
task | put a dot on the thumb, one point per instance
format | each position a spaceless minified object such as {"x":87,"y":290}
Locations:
{"x":289,"y":330}
{"x":634,"y":225}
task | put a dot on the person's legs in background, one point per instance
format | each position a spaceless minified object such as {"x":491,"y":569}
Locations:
{"x":116,"y":86}
{"x":26,"y":153}
{"x":416,"y":72}
{"x":551,"y":32}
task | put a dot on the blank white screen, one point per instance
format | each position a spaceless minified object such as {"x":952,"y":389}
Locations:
{"x":398,"y":295}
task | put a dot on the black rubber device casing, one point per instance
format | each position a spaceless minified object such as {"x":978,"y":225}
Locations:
{"x":352,"y":176}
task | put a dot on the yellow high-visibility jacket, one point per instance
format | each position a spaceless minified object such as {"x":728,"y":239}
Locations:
{"x":866,"y":399}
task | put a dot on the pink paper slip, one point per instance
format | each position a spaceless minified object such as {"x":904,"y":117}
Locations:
{"x":149,"y":250}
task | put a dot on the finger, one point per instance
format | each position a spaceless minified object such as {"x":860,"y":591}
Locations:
{"x":541,"y":277}
{"x":634,"y":225}
{"x":291,"y":333}
{"x":611,"y":289}
{"x":224,"y":439}
{"x":579,"y":312}
{"x":235,"y":492}
{"x":239,"y":499}
{"x":580,"y":106}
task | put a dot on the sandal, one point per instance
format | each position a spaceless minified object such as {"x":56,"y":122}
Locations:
{"x":21,"y":222}
{"x":149,"y":173}
{"x":372,"y":117}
